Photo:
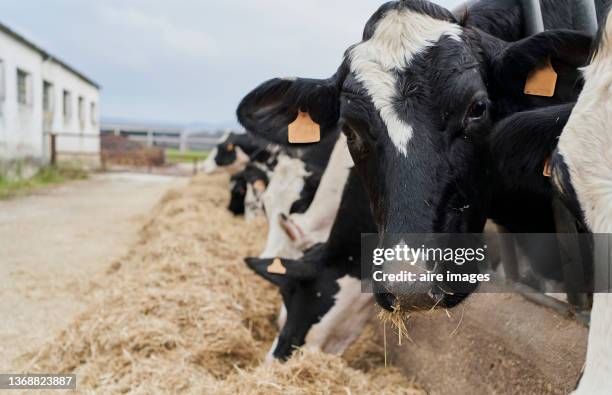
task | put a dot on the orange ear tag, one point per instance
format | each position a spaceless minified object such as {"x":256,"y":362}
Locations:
{"x":542,"y":81}
{"x":276,"y":267}
{"x":304,"y":130}
{"x":547,"y":172}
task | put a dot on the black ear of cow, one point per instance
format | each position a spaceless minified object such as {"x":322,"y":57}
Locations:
{"x":521,"y":143}
{"x":296,"y":270}
{"x":268,"y":109}
{"x":567,"y":50}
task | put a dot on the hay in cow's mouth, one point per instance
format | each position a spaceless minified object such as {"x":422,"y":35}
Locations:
{"x":181,"y":312}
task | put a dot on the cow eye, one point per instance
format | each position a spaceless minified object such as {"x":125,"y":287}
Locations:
{"x":477,"y":110}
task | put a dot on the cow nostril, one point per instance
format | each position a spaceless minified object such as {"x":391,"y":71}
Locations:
{"x":386,"y":300}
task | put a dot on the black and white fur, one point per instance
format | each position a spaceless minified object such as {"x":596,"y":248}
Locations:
{"x":582,"y":173}
{"x":416,"y":99}
{"x":236,"y":150}
{"x":322,"y":297}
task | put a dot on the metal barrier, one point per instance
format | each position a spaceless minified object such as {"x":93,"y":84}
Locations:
{"x":573,"y":265}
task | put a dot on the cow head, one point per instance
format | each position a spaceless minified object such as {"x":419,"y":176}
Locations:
{"x":230,"y":155}
{"x":416,"y":99}
{"x":246,"y":188}
{"x":325,"y":308}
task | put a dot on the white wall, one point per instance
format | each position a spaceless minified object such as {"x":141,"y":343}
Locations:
{"x":55,"y":121}
{"x":22,"y":126}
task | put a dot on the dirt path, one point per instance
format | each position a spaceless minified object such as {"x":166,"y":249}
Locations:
{"x":56,"y":243}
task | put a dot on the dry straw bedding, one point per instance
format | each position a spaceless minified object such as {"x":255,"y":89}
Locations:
{"x":181,"y":313}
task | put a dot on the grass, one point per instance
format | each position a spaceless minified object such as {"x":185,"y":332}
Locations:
{"x":174,"y":155}
{"x":45,"y":176}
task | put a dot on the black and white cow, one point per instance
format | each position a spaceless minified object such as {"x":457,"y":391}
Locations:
{"x":314,"y":225}
{"x":578,"y":140}
{"x":324,"y":305}
{"x":235,"y":151}
{"x":291,"y":189}
{"x":582,"y":173}
{"x":251,"y":180}
{"x":416,"y":99}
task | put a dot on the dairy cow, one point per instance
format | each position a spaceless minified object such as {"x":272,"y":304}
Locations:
{"x":246,"y":187}
{"x":291,"y":189}
{"x":324,"y":307}
{"x":417,"y":98}
{"x":236,"y":150}
{"x":582,"y":173}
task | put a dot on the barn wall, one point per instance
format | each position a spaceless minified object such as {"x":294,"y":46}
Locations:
{"x":83,"y":124}
{"x":20,"y":125}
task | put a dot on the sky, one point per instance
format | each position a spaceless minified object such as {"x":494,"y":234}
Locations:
{"x":190,"y":61}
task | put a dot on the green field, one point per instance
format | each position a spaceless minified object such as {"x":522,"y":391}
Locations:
{"x":45,"y":176}
{"x":173,"y":155}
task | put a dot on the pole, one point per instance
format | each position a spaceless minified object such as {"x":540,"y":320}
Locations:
{"x":53,"y":138}
{"x":585,"y":16}
{"x":532,"y":14}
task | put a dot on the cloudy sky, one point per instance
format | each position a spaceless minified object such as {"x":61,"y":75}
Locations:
{"x":190,"y":60}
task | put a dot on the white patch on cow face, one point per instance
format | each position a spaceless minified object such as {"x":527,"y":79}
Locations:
{"x":317,"y":221}
{"x":253,"y":206}
{"x":284,"y":189}
{"x":586,"y":141}
{"x":282,"y":316}
{"x":344,"y":322}
{"x":209,"y":165}
{"x":398,"y":37}
{"x":270,"y":355}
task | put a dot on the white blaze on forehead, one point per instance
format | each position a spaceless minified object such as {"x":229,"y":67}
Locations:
{"x":397,"y":38}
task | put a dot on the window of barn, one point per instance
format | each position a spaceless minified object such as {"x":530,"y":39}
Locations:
{"x":92,"y":113}
{"x":67,"y":105}
{"x":48,"y":103}
{"x":81,"y":112}
{"x":23,"y":87}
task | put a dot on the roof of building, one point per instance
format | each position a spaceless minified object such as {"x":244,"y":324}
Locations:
{"x":45,"y":54}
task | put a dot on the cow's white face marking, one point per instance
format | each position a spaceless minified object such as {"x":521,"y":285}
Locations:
{"x":284,"y":189}
{"x":282,"y":316}
{"x":344,"y":322}
{"x":209,"y":164}
{"x":270,"y":355}
{"x":253,"y":206}
{"x":398,"y":37}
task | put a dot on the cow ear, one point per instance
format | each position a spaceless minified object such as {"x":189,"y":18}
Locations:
{"x":289,"y":270}
{"x":521,"y":144}
{"x":566,"y":50}
{"x":271,"y":107}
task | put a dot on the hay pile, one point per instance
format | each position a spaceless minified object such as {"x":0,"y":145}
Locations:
{"x":183,"y":313}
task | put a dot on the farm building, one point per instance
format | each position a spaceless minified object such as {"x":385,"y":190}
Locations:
{"x":40,"y":94}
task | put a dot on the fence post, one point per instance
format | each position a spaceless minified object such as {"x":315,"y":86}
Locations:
{"x":532,"y":16}
{"x":586,"y":16}
{"x":53,"y":147}
{"x":183,"y":141}
{"x":195,"y":166}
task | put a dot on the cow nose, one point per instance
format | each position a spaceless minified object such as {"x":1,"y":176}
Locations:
{"x":386,"y":300}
